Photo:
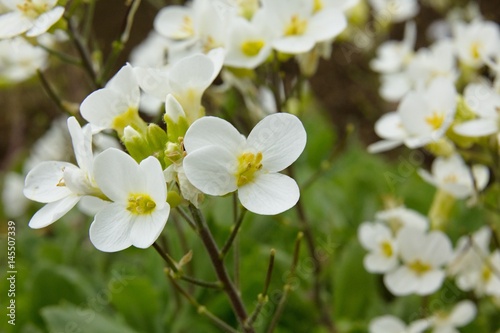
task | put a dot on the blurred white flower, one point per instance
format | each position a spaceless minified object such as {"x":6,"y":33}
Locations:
{"x":453,"y":176}
{"x":448,"y":322}
{"x":476,"y":41}
{"x":19,"y":60}
{"x":33,"y":17}
{"x":474,"y":267}
{"x":138,"y":211}
{"x":484,"y":101}
{"x":378,"y":239}
{"x":423,"y":116}
{"x":391,"y":324}
{"x":116,"y":105}
{"x":423,"y":257}
{"x":400,"y":217}
{"x":220,"y":160}
{"x":61,"y":185}
{"x":299,"y":24}
{"x":14,"y":202}
{"x":394,"y":10}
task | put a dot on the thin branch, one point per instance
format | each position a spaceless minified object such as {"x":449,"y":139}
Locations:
{"x":287,"y":287}
{"x":170,"y":262}
{"x":186,"y":217}
{"x":236,"y":247}
{"x":52,"y":94}
{"x":262,"y":298}
{"x":213,"y":252}
{"x":201,"y":309}
{"x":232,"y":236}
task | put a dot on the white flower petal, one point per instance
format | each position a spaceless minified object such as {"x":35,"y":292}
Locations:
{"x":294,"y":44}
{"x":125,"y":83}
{"x":401,"y":282}
{"x":213,"y":131}
{"x":101,"y":107}
{"x":147,"y":228}
{"x":117,"y":175}
{"x":90,"y":205}
{"x":437,"y":249}
{"x":211,"y":169}
{"x":13,"y":24}
{"x":383,"y":145}
{"x":192,"y":74}
{"x":45,"y":21}
{"x":387,"y":324}
{"x":269,"y":194}
{"x":326,"y":24}
{"x":463,"y":313}
{"x":376,"y":263}
{"x":42,"y":181}
{"x":171,"y":22}
{"x":410,"y":242}
{"x":110,"y":230}
{"x":390,"y":127}
{"x":53,"y":211}
{"x":430,"y":282}
{"x":82,"y":144}
{"x":281,"y":138}
{"x":477,"y":127}
{"x":155,"y":181}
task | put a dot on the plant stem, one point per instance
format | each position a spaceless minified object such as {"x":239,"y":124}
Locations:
{"x":262,"y":298}
{"x":170,"y":263}
{"x":201,"y":309}
{"x":287,"y":287}
{"x":220,"y":269}
{"x":236,"y":247}
{"x":232,"y":236}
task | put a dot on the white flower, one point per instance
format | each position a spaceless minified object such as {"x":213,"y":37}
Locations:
{"x":423,"y":256}
{"x":484,"y":101}
{"x":19,"y":60}
{"x":477,"y":41}
{"x":391,"y":324}
{"x":220,"y":160}
{"x":14,"y":202}
{"x":447,"y":322}
{"x":401,"y":216}
{"x":31,"y":16}
{"x":453,"y":176}
{"x":378,"y":239}
{"x":474,"y":267}
{"x":61,"y":184}
{"x":186,"y":80}
{"x":422,"y":117}
{"x":116,"y":105}
{"x":139,"y":209}
{"x":299,"y":26}
{"x":395,"y":10}
{"x":393,"y":56}
{"x":249,"y":43}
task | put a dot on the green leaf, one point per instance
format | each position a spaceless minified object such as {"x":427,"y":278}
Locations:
{"x":69,"y":318}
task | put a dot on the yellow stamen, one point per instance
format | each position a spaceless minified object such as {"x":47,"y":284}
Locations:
{"x":318,"y":5}
{"x":296,"y":26}
{"x":475,"y":50}
{"x":31,"y":9}
{"x":419,"y":267}
{"x":387,"y":249}
{"x":140,"y":204}
{"x":486,"y":273}
{"x":252,"y":47}
{"x":435,"y":120}
{"x":248,"y":165}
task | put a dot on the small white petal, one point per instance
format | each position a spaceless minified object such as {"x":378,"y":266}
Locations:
{"x":110,"y":230}
{"x":477,"y":127}
{"x":430,"y":282}
{"x":53,"y":211}
{"x":212,"y":170}
{"x":171,"y":22}
{"x":437,"y":249}
{"x":213,"y":131}
{"x":82,"y":144}
{"x":117,"y":175}
{"x":42,"y":181}
{"x":294,"y":44}
{"x":326,"y":24}
{"x":410,"y":242}
{"x":387,"y":324}
{"x":101,"y":107}
{"x":45,"y":21}
{"x":463,"y":313}
{"x":147,"y":228}
{"x":376,"y":263}
{"x":192,"y":74}
{"x":390,"y":127}
{"x":401,"y":282}
{"x":281,"y":138}
{"x":13,"y":24}
{"x":125,"y":83}
{"x":383,"y":145}
{"x":90,"y":205}
{"x":269,"y":194}
{"x":155,"y":181}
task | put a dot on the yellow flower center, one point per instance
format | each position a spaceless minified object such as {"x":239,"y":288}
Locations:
{"x":252,"y":47}
{"x":419,"y":267}
{"x":451,"y":178}
{"x":248,"y":165}
{"x":140,"y":204}
{"x":435,"y":120}
{"x":296,"y":26}
{"x":31,"y":9}
{"x":486,"y":273}
{"x":386,"y":249}
{"x":318,"y":5}
{"x":475,"y":50}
